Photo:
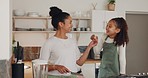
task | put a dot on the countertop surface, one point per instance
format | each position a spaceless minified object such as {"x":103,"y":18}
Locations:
{"x":89,"y":61}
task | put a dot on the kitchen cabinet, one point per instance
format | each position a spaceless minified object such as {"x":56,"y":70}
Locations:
{"x":30,"y":31}
{"x":18,"y":70}
{"x":100,"y":19}
{"x":15,"y":18}
{"x":33,"y":31}
{"x":89,"y":68}
{"x":77,"y":23}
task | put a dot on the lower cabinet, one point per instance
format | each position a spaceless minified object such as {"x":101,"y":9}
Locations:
{"x":18,"y":70}
{"x":88,"y":70}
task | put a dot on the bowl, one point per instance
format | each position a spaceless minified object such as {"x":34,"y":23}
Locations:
{"x":33,"y":14}
{"x":19,"y":12}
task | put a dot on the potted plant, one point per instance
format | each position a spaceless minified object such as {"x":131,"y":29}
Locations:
{"x":111,"y":5}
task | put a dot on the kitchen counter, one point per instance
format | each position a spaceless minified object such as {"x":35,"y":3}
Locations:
{"x":90,"y":68}
{"x":89,"y":61}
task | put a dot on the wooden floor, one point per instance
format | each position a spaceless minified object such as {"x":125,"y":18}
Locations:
{"x":28,"y":72}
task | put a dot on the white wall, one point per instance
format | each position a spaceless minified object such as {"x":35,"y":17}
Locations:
{"x":132,"y":5}
{"x":42,"y":6}
{"x":5,"y":29}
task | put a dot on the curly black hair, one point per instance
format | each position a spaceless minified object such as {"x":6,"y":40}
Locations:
{"x":122,"y":37}
{"x":57,"y":16}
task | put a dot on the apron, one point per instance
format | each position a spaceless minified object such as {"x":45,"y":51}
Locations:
{"x":109,"y":67}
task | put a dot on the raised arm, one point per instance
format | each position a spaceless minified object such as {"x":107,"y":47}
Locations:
{"x":83,"y":58}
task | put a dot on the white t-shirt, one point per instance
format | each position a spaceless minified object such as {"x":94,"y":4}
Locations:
{"x":61,"y":52}
{"x":120,"y":49}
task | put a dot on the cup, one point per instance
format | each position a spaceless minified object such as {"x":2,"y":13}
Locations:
{"x":87,"y":29}
{"x":82,"y":29}
{"x":40,"y":68}
{"x":78,"y":14}
{"x":78,"y":29}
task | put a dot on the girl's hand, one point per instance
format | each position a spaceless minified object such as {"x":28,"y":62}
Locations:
{"x":61,"y":69}
{"x":94,"y":37}
{"x":94,"y":41}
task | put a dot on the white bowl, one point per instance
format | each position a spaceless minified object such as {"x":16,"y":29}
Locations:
{"x":19,"y":12}
{"x":33,"y":14}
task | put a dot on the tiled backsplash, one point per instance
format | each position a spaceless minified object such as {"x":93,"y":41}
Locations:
{"x":31,"y":53}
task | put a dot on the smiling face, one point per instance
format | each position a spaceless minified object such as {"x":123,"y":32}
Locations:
{"x":111,"y":29}
{"x":66,"y":26}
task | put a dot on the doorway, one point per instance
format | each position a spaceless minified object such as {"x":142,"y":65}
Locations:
{"x":137,"y":49}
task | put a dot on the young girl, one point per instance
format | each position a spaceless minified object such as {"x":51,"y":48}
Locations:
{"x":113,"y":62}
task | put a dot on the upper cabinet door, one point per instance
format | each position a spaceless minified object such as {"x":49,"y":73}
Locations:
{"x":100,"y":19}
{"x":109,"y":15}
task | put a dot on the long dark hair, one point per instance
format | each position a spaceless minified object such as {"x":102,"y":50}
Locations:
{"x":57,"y":16}
{"x":122,"y":37}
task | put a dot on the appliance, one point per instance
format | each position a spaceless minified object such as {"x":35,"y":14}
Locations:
{"x":18,"y":70}
{"x":92,"y":54}
{"x":18,"y":52}
{"x":97,"y":65}
{"x":139,"y":75}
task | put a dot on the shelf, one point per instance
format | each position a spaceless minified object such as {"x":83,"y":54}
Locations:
{"x":31,"y":45}
{"x":80,"y":31}
{"x":35,"y":37}
{"x":31,"y":31}
{"x":27,"y":17}
{"x":81,"y":18}
{"x":49,"y":31}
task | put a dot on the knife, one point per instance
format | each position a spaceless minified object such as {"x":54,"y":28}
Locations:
{"x":74,"y":73}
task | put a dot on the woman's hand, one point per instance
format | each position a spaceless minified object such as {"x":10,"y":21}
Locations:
{"x":61,"y":69}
